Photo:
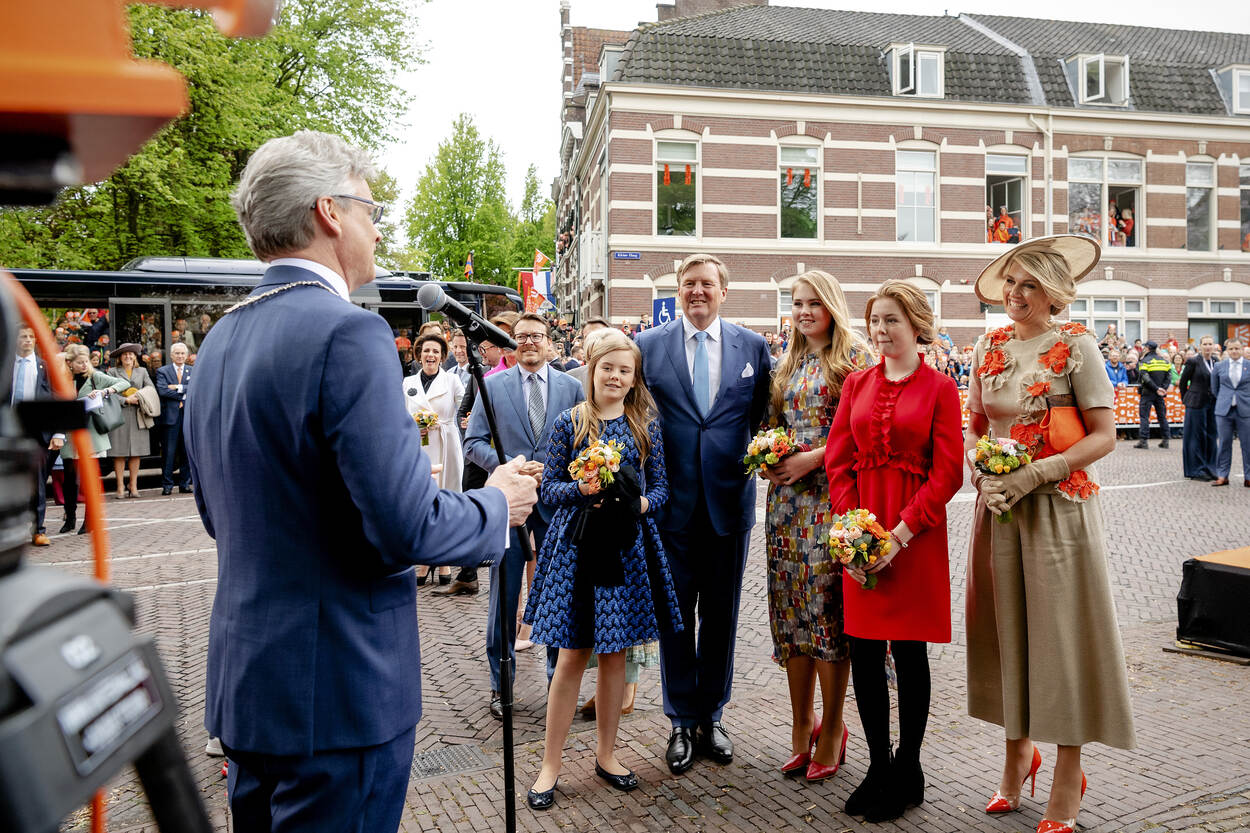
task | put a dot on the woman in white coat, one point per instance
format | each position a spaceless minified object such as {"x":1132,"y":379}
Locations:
{"x":435,"y":389}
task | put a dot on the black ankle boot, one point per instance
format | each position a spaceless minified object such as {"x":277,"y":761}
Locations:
{"x":906,"y":790}
{"x":870,"y":790}
{"x":82,"y":530}
{"x":68,"y":526}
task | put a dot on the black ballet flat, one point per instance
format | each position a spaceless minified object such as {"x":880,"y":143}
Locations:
{"x":542,"y":800}
{"x":624,"y":783}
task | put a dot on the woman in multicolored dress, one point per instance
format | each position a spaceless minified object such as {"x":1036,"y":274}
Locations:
{"x":1045,"y":660}
{"x":804,"y":581}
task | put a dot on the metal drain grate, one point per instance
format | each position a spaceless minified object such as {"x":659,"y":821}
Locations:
{"x":449,"y":760}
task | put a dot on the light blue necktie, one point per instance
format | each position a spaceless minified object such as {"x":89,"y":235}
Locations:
{"x":702,"y":383}
{"x":19,"y":387}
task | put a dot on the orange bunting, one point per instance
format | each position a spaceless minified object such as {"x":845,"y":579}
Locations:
{"x":789,"y":176}
{"x":687,"y":174}
{"x":667,"y":179}
{"x":807,"y":178}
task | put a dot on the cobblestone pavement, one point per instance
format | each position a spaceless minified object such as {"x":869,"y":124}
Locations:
{"x":1190,"y":772}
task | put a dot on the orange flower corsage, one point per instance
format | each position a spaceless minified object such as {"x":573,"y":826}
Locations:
{"x":1078,"y":487}
{"x":1073,"y":328}
{"x":1028,"y":434}
{"x":1056,"y":358}
{"x":995,"y":363}
{"x":1038,"y":388}
{"x":1001,"y":336}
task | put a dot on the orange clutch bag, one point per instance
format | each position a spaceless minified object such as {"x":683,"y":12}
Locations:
{"x":1063,"y":426}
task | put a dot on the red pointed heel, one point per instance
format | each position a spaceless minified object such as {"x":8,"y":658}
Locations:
{"x":1005,"y":804}
{"x":1066,"y":825}
{"x":819,"y":772}
{"x":797,"y":764}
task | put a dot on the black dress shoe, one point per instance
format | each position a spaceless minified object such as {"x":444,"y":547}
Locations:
{"x":82,"y":530}
{"x":624,"y":783}
{"x":680,"y":754}
{"x":458,"y":588}
{"x":1163,"y":444}
{"x":715,"y":743}
{"x":496,"y":708}
{"x":68,"y":526}
{"x":868,"y":794}
{"x":184,"y":490}
{"x":168,"y":490}
{"x":542,"y":800}
{"x":1140,"y":444}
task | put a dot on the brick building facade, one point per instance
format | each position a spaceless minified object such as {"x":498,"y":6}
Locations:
{"x":871,"y":146}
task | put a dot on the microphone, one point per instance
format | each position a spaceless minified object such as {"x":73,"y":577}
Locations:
{"x":431,"y":297}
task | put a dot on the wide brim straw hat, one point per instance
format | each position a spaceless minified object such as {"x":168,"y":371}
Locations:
{"x":1080,"y":251}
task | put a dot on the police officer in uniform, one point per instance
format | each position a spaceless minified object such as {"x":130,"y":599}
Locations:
{"x":1154,"y":374}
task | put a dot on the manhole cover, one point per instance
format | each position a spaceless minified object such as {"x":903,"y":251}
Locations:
{"x":449,"y":760}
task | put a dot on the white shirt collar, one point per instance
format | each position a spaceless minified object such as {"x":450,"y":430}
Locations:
{"x":325,"y":272}
{"x":713,"y":329}
{"x":541,"y":373}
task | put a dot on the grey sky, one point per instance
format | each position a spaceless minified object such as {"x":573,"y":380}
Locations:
{"x":500,"y":61}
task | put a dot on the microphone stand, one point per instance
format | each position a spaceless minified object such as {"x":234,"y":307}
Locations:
{"x":505,"y":628}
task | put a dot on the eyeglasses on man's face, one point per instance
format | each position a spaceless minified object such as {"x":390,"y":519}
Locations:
{"x":532,"y":338}
{"x":375,"y":208}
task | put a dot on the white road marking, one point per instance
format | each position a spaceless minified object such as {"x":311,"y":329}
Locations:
{"x":119,"y":559}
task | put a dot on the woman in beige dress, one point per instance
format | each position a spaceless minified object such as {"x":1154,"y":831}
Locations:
{"x":129,"y":441}
{"x":1045,"y":660}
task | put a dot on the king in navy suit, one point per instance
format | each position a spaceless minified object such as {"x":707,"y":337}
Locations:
{"x":310,"y":477}
{"x":710,"y":381}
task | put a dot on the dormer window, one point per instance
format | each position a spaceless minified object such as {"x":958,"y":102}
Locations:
{"x":1234,"y":83}
{"x":1101,"y":79}
{"x":917,"y":70}
{"x":609,"y":58}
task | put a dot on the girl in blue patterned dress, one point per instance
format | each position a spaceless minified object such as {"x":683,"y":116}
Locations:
{"x":571,"y":611}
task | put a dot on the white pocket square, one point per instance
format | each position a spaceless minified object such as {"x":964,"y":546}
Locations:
{"x":748,"y":371}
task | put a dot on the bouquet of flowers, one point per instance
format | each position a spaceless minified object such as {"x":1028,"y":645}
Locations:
{"x":427,"y":419}
{"x":858,"y":540}
{"x":1000,"y":456}
{"x":769,"y":447}
{"x":598,"y":463}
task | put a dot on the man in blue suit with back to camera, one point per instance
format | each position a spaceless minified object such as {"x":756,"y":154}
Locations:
{"x":310,"y":476}
{"x":527,"y":398}
{"x":710,"y":380}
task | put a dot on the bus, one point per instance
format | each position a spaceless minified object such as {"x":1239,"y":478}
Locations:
{"x":150,"y":298}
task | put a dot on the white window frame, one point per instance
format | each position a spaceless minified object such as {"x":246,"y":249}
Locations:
{"x":1102,"y":59}
{"x":1139,"y":210}
{"x":1241,"y":80}
{"x":685,"y":137}
{"x":1119,"y":317}
{"x":914,"y":53}
{"x":1026,"y":196}
{"x":819,"y":147}
{"x":1213,"y":223}
{"x":923,"y":147}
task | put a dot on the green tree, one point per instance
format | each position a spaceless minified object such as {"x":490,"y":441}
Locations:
{"x":461,"y":206}
{"x":328,"y":65}
{"x":535,"y":223}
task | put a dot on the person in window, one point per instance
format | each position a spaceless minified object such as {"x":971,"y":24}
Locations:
{"x":1003,"y":226}
{"x":1126,"y":227}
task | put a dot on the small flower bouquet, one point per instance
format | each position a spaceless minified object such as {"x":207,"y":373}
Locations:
{"x":427,"y":419}
{"x":598,"y":463}
{"x":768,"y":448}
{"x":858,"y":540}
{"x":1000,"y":456}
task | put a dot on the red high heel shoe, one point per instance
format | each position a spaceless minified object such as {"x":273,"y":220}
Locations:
{"x":1065,"y":826}
{"x":1003,"y":804}
{"x":817,"y":771}
{"x":797,"y":764}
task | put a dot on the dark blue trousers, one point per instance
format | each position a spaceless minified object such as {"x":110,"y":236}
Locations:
{"x":1199,"y":443}
{"x":349,"y":790}
{"x":509,"y":596}
{"x":1236,"y":417}
{"x":1161,"y":412}
{"x":175,"y":455}
{"x":697,"y":668}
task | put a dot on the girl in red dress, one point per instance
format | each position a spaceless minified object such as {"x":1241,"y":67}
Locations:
{"x":895,"y":449}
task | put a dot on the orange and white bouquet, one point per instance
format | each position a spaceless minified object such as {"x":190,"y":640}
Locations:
{"x":768,"y":448}
{"x":427,"y":419}
{"x":858,"y":540}
{"x":598,"y":463}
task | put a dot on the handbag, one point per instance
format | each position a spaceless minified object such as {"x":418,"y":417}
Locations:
{"x":108,"y":416}
{"x":1063,"y":426}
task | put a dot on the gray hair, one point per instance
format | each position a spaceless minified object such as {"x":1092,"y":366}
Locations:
{"x":284,"y":179}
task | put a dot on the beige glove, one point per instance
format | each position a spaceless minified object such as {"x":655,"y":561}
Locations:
{"x":1005,"y":491}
